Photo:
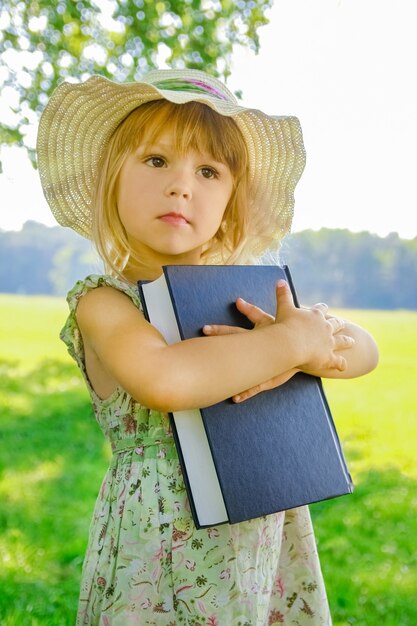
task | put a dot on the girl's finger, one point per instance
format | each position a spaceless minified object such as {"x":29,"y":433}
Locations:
{"x":269,"y":384}
{"x":285,"y":300}
{"x":218,"y":329}
{"x":336,"y":323}
{"x":322,"y":306}
{"x":340,"y":364}
{"x":249,"y":393}
{"x":343,"y":342}
{"x":253,"y":312}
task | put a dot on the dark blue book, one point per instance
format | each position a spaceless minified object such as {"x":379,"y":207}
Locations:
{"x":273,"y":452}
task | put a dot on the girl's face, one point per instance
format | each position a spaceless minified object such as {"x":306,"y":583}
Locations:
{"x":171,"y":204}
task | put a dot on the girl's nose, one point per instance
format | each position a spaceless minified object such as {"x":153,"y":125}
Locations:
{"x":179,"y":185}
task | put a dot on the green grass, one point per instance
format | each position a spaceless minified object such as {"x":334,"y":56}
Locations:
{"x":51,"y":464}
{"x":53,"y":458}
{"x":367,"y":540}
{"x":377,"y":414}
{"x":29,"y":327}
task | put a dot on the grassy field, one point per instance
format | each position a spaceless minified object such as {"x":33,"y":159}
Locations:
{"x":53,"y":458}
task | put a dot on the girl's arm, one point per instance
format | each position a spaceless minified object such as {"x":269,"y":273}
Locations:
{"x":122,"y":348}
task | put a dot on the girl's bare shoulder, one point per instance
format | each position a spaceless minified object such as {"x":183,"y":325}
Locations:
{"x":106,"y":308}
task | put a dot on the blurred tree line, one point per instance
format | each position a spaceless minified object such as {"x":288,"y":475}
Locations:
{"x":355,"y":270}
{"x":344,"y":269}
{"x":42,"y":260}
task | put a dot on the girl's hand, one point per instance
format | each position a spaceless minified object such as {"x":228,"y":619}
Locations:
{"x":260,"y":318}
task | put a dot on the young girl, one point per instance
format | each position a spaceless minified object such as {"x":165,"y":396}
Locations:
{"x":172,"y":171}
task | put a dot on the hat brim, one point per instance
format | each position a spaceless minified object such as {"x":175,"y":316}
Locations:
{"x":80,"y":119}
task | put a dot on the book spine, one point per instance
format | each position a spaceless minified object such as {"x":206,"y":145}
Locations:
{"x":143,"y":301}
{"x":336,"y":439}
{"x":184,"y":472}
{"x":166,"y":270}
{"x":287,"y":273}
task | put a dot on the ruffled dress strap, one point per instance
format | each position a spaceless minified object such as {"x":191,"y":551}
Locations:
{"x":70,"y":334}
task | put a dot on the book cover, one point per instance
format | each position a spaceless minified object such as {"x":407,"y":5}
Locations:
{"x":275,"y":451}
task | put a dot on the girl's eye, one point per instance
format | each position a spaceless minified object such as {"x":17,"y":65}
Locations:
{"x":209,"y":172}
{"x":155,"y":161}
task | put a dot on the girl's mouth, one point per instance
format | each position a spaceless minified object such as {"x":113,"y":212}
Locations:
{"x":174,"y":218}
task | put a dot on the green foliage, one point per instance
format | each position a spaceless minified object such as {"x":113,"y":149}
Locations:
{"x":44,"y":42}
{"x":53,"y":458}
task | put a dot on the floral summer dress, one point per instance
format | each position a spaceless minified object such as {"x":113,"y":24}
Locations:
{"x":146,"y":563}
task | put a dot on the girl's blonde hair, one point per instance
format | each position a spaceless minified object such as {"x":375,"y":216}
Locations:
{"x":195,"y":126}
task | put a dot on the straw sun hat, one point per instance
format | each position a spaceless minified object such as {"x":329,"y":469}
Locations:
{"x":80,"y":118}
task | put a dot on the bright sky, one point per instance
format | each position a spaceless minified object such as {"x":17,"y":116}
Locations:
{"x":347,"y":69}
